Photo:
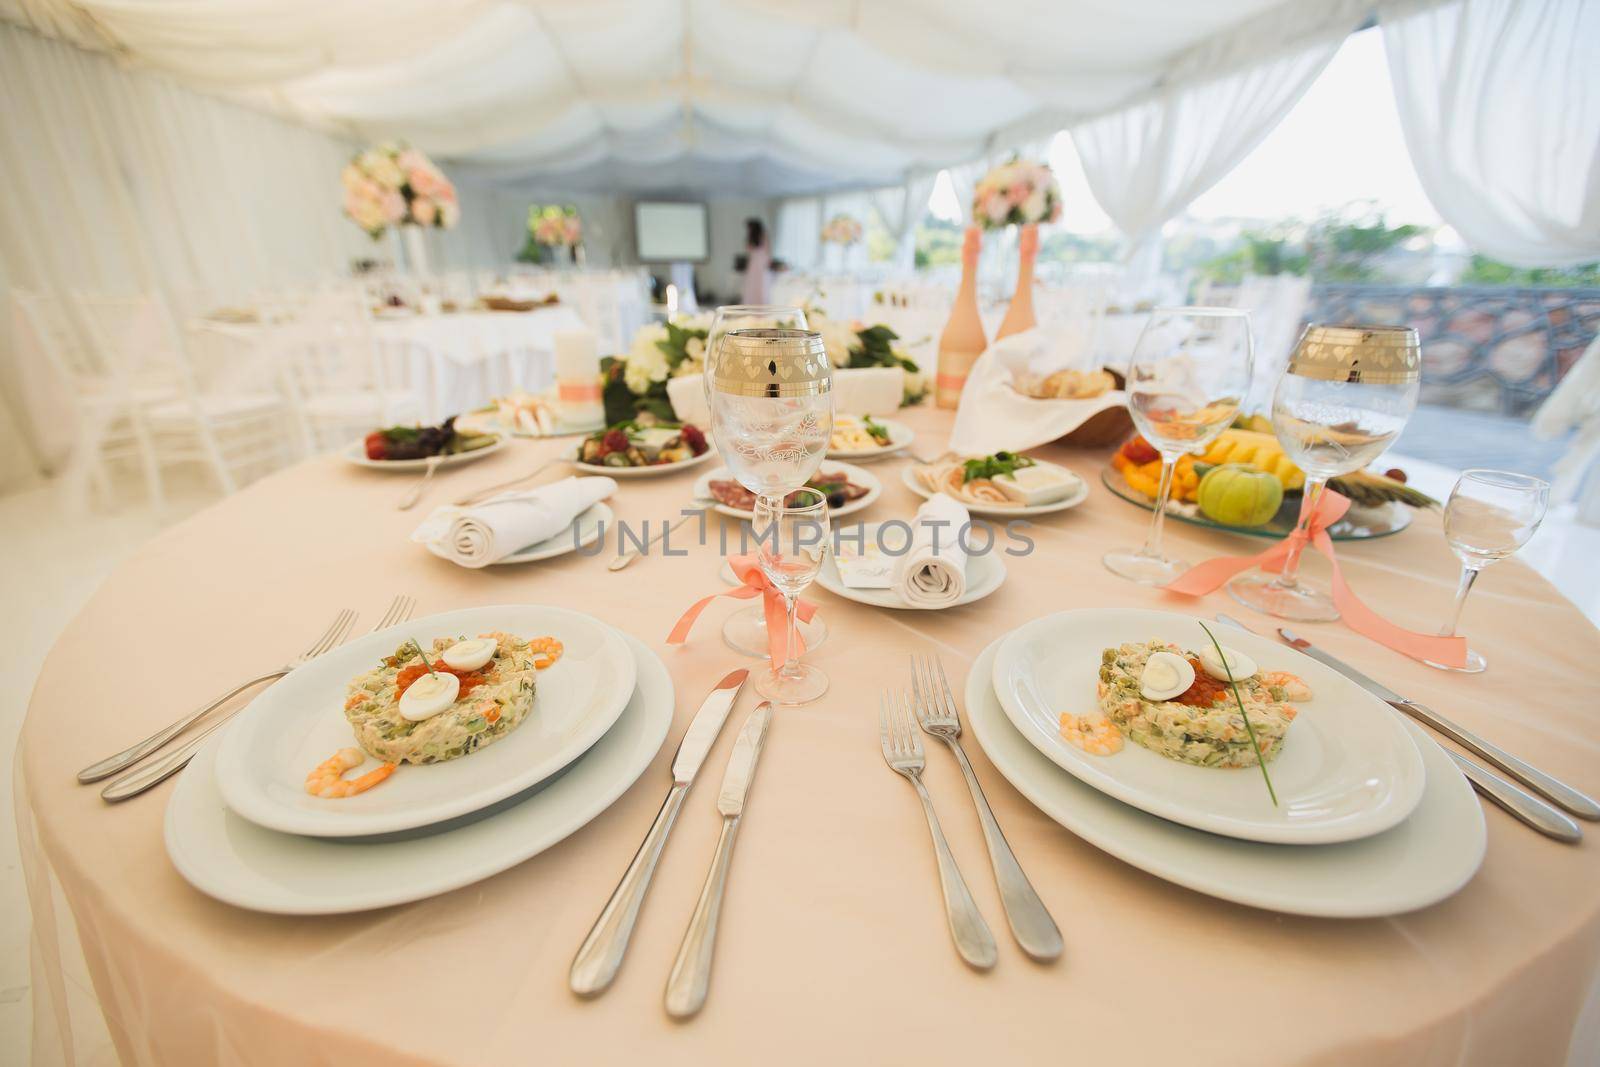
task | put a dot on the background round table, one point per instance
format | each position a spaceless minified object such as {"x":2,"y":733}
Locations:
{"x":832,"y":946}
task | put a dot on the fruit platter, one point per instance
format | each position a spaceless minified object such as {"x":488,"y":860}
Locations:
{"x":1244,"y":482}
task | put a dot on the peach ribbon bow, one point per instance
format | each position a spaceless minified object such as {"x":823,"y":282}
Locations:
{"x":748,"y":571}
{"x":1209,"y":576}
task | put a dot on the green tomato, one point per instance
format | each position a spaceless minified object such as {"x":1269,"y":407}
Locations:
{"x":1238,"y":495}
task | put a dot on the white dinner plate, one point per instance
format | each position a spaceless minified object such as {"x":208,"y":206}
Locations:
{"x":299,"y":722}
{"x":240,"y":863}
{"x":908,"y":475}
{"x":1348,"y":768}
{"x":636,"y":472}
{"x":356,"y":453}
{"x":860,"y":476}
{"x":985,"y":573}
{"x":590,"y":526}
{"x":1420,"y":862}
{"x":900,"y":437}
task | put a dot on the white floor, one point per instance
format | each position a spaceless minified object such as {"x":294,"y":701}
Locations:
{"x":52,"y":562}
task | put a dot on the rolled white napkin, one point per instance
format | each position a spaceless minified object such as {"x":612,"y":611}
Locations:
{"x":488,"y":532}
{"x":925,"y":578}
{"x":994,"y":417}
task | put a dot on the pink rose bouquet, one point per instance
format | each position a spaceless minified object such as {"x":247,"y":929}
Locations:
{"x":396,"y":185}
{"x":1016,"y":193}
{"x":841,"y":230}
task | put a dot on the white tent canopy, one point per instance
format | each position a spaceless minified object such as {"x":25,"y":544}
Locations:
{"x":762,"y":97}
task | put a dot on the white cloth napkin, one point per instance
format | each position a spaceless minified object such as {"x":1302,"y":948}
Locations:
{"x":488,"y":532}
{"x":926,"y":578}
{"x":994,"y":417}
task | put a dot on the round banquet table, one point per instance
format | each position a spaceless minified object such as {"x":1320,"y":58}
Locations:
{"x":832,"y":946}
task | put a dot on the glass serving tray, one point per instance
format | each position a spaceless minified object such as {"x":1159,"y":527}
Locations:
{"x":1358,"y":524}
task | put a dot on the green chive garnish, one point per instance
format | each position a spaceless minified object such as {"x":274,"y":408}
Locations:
{"x":1251,"y":730}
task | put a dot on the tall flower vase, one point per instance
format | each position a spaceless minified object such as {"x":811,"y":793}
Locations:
{"x":1019,"y":316}
{"x":416,"y":247}
{"x":963,"y":339}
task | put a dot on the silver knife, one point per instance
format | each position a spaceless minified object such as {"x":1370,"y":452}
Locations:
{"x":1557,"y":791}
{"x":691,"y":971}
{"x":600,"y":955}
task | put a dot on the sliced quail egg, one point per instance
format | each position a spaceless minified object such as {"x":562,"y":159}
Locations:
{"x":1240,"y":664}
{"x":429,"y":695}
{"x":1165,"y":676}
{"x":469,"y":655}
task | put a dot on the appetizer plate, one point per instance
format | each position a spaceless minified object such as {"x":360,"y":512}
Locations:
{"x":859,"y":476}
{"x":985,"y":574}
{"x":635,"y":472}
{"x":1358,"y":524}
{"x":585,"y":530}
{"x":290,"y":728}
{"x":240,"y":863}
{"x":1348,"y":768}
{"x":356,"y":453}
{"x":908,"y":475}
{"x":1420,"y":862}
{"x":900,"y":436}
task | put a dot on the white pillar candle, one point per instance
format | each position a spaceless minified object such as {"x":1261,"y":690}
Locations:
{"x":577,"y":356}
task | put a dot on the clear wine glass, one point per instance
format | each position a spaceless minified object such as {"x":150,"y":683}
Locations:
{"x":1346,"y":395}
{"x":1490,"y":515}
{"x":770,"y":393}
{"x":1190,"y":370}
{"x":792,"y":540}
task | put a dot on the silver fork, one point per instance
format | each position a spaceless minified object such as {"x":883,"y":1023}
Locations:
{"x":127,"y":757}
{"x":1030,"y":920}
{"x":158,"y":770}
{"x":902,"y":751}
{"x":490,"y":490}
{"x":414,"y":494}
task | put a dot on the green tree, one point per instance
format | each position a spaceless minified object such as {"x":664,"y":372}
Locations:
{"x":1486,"y":271}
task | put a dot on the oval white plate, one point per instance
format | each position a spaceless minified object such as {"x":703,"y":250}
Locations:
{"x":1420,"y":862}
{"x":908,"y":475}
{"x":242,"y":864}
{"x":858,"y":475}
{"x":636,"y":472}
{"x":1348,"y":768}
{"x":356,"y":453}
{"x":299,"y":722}
{"x":591,"y":526}
{"x":985,"y":573}
{"x":900,"y":437}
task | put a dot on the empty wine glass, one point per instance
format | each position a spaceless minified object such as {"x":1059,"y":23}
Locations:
{"x":792,"y":539}
{"x":1347,"y":393}
{"x":1490,"y":515}
{"x":1190,"y":369}
{"x":769,"y":390}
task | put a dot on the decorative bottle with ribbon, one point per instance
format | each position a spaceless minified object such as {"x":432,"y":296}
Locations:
{"x":1019,"y":316}
{"x":963,"y":339}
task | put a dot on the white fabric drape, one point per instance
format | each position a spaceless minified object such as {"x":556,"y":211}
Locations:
{"x":1500,"y":104}
{"x":797,"y":239}
{"x":900,"y":208}
{"x":1145,"y":164}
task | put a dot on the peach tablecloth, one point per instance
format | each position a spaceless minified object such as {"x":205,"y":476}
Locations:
{"x":832,"y":945}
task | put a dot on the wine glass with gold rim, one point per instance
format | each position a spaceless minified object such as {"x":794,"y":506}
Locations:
{"x":1345,"y":397}
{"x":1190,"y":370}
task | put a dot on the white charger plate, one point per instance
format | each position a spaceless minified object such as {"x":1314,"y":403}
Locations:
{"x":985,"y":574}
{"x":356,"y":453}
{"x":859,"y":475}
{"x":1348,"y":768}
{"x":1423,"y":860}
{"x":240,"y":863}
{"x":900,"y":437}
{"x":636,"y":472}
{"x":296,"y":724}
{"x":908,"y":475}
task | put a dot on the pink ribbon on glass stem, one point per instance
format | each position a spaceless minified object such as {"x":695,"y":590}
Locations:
{"x":1330,"y":507}
{"x":754,"y":584}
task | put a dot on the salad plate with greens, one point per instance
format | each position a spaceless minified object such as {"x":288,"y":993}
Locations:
{"x":1003,"y":485}
{"x":641,"y":447}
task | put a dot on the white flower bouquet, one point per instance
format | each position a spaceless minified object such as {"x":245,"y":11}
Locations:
{"x":396,"y":185}
{"x":1016,"y":193}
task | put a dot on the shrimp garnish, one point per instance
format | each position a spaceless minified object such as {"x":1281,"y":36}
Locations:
{"x":1095,"y":734}
{"x":547,"y":649}
{"x":327,"y":780}
{"x":1294,"y":687}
